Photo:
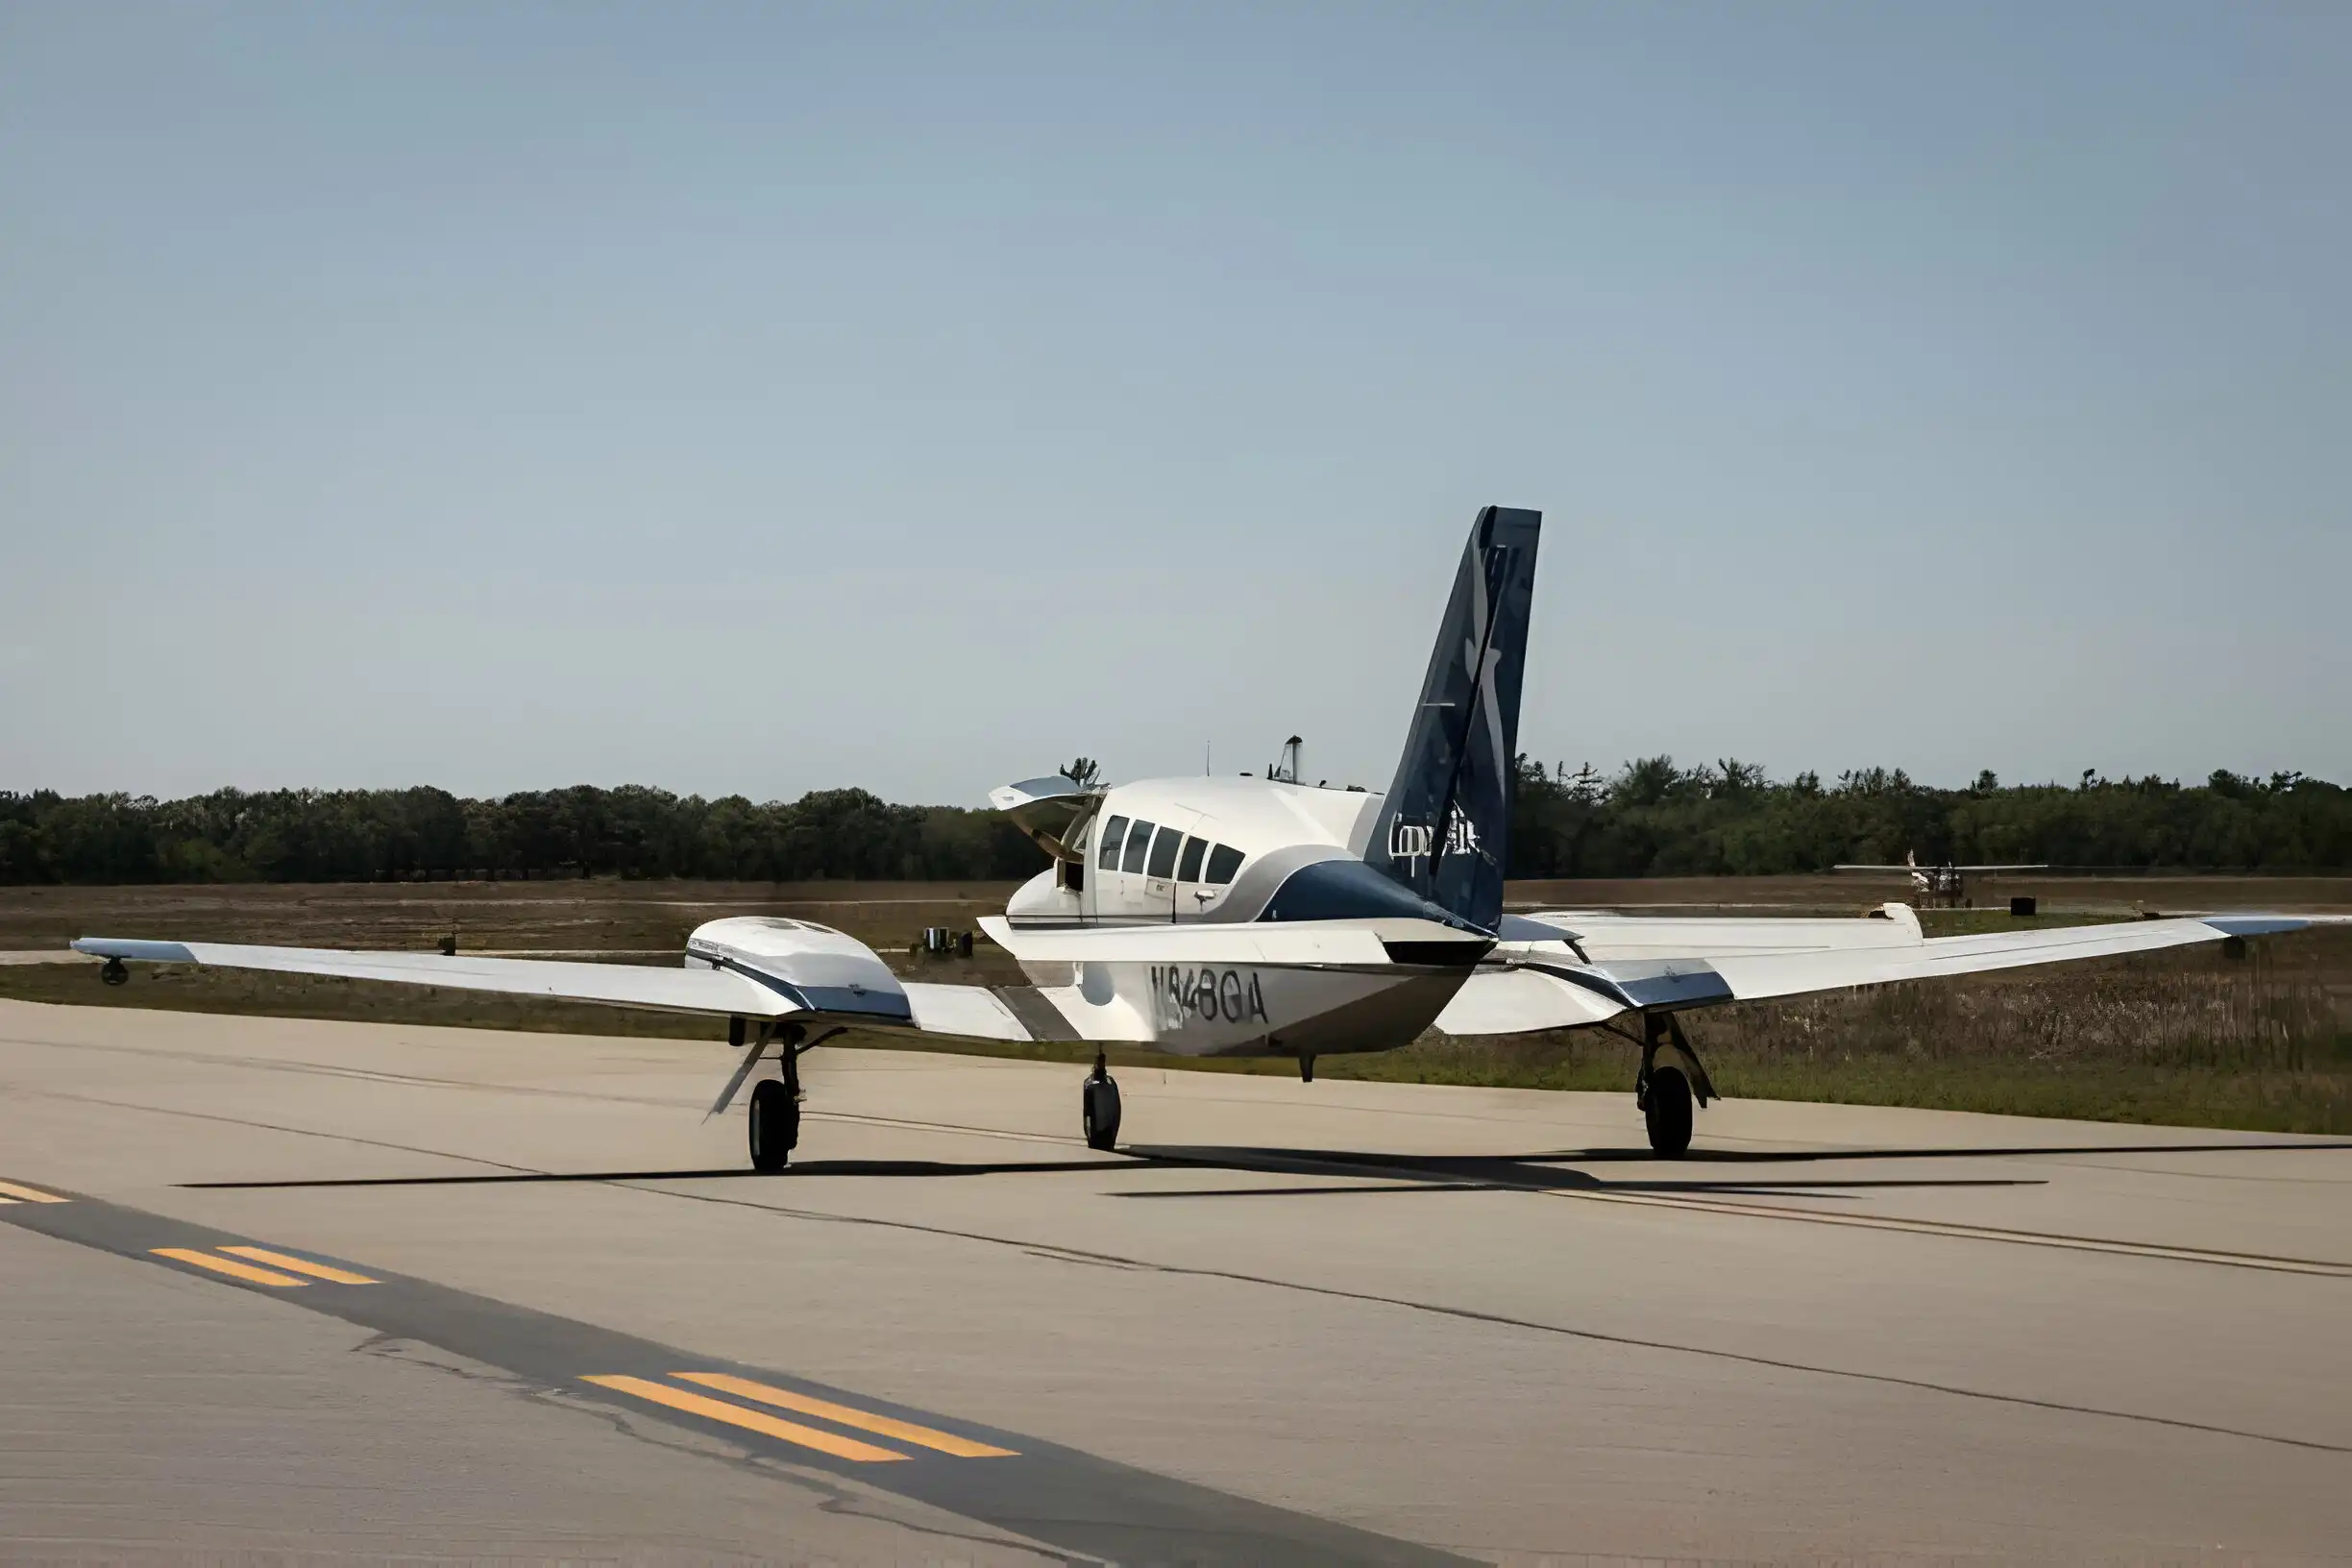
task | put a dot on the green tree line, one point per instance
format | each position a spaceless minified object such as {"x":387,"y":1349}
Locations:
{"x":1650,"y":817}
{"x":1654,"y":818}
{"x":380,"y":835}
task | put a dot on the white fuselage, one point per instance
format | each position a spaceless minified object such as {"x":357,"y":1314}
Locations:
{"x":1203,"y":855}
{"x":1136,"y":863}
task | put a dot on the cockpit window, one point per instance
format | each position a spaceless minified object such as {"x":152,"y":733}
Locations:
{"x":1223,"y":860}
{"x":1139,"y":840}
{"x":1188,"y":870}
{"x":1114,"y":830}
{"x":1164,"y":851}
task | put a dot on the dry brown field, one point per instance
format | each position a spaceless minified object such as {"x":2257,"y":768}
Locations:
{"x":1847,"y":892}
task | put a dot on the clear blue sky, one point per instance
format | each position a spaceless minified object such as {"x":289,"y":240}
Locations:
{"x":762,"y":398}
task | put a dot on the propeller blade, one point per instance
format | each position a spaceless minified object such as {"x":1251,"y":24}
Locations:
{"x":751,"y":1060}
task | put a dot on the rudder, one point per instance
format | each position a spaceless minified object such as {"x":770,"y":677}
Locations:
{"x":1457,"y":769}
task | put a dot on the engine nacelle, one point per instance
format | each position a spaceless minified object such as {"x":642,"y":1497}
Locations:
{"x":816,"y":968}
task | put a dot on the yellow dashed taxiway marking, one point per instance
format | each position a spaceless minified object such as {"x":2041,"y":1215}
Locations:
{"x":719,"y":1409}
{"x":17,"y":1193}
{"x":229,"y":1267}
{"x":906,"y":1432}
{"x":302,"y":1265}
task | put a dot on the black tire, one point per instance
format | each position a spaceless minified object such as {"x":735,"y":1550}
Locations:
{"x":775,"y":1125}
{"x":1099,"y":1113}
{"x":1667,"y":1108}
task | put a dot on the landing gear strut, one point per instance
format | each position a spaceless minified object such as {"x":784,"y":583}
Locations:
{"x":775,"y":1109}
{"x":114,"y":974}
{"x":1670,"y":1079}
{"x":1099,"y":1107}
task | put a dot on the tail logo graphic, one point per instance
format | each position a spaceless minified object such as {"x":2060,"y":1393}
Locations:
{"x":1481,"y":666}
{"x":1409,"y":841}
{"x":1444,"y":830}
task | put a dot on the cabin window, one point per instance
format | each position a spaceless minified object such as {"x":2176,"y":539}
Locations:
{"x":1114,"y":830}
{"x":1223,"y":860}
{"x":1188,"y":870}
{"x":1164,"y":852}
{"x":1139,"y":840}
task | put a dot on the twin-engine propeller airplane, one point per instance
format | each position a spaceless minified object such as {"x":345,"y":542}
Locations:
{"x":1249,"y":917}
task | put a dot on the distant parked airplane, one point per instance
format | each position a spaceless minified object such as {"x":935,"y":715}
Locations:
{"x":1255,"y":917}
{"x":1944,"y":883}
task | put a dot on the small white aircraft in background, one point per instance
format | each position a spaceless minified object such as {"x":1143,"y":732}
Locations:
{"x":1265,"y":916}
{"x":1943,"y":882}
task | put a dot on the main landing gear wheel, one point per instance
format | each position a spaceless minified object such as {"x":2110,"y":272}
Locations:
{"x":775,"y":1124}
{"x":1667,"y":1107}
{"x":1099,"y":1107}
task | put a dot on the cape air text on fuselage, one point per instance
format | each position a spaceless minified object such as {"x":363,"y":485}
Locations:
{"x":1409,"y":841}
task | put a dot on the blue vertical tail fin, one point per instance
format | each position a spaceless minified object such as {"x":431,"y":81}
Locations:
{"x":1444,"y":830}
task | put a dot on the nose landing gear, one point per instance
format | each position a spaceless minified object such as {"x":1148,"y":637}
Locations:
{"x":1098,"y":1115}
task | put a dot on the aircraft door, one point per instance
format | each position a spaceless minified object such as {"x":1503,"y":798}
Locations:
{"x":1107,"y":883}
{"x":1121,"y":867}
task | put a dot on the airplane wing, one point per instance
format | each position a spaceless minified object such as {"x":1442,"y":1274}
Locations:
{"x":1522,"y":993}
{"x":619,"y":985}
{"x":1789,"y":974}
{"x":964,"y":1012}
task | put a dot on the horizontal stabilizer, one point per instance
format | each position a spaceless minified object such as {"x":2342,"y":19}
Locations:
{"x":1300,"y":944}
{"x":1521,"y":1001}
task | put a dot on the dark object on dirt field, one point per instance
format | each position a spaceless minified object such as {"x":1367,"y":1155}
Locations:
{"x":947,"y":941}
{"x":2022,"y":905}
{"x":449,"y":946}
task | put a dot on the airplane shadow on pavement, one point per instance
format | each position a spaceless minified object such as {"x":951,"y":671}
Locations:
{"x":1547,"y":1170}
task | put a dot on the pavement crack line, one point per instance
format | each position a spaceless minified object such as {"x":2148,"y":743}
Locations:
{"x":270,"y":1127}
{"x":1470,"y":1315}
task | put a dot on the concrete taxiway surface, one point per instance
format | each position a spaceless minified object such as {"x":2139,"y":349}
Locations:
{"x":348,"y":1288}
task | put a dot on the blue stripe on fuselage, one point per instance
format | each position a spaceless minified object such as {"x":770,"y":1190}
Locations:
{"x":1349,"y":890}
